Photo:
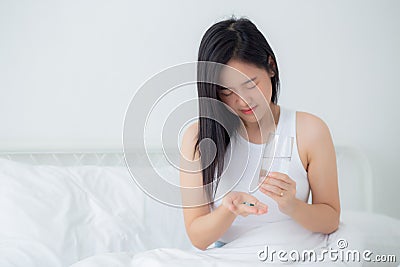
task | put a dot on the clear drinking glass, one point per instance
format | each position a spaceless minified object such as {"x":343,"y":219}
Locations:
{"x":277,"y":155}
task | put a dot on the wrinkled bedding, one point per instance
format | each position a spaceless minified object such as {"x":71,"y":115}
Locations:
{"x":97,"y":216}
{"x":245,"y":251}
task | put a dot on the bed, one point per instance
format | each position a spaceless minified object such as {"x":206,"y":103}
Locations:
{"x":83,"y":209}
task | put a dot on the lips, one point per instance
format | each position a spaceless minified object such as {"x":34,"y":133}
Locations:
{"x":248,"y":111}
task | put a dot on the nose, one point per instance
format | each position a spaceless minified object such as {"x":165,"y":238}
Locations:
{"x":244,"y":99}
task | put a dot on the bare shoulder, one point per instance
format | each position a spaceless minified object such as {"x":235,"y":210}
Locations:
{"x":189,"y":141}
{"x":313,"y":137}
{"x":310,"y":127}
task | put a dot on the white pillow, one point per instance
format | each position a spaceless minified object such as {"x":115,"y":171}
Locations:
{"x":355,"y":179}
{"x":55,"y":216}
{"x":381,"y":233}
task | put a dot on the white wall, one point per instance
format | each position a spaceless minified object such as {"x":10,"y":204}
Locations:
{"x":68,"y":69}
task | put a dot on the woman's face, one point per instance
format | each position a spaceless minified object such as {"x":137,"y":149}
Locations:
{"x":249,"y":97}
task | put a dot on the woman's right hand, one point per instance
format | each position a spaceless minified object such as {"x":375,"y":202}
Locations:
{"x":234,"y":202}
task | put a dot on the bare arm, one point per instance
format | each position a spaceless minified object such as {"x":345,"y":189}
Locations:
{"x":204,"y":226}
{"x":324,"y":212}
{"x":206,"y":229}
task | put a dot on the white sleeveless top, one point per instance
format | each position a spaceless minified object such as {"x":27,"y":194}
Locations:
{"x":237,"y":165}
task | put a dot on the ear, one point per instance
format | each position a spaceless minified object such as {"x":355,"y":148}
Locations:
{"x":271,"y":74}
{"x":272,"y":66}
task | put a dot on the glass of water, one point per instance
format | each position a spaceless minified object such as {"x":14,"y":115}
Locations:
{"x":277,"y":155}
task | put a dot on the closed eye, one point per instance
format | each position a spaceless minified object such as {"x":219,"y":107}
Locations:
{"x":226,"y":92}
{"x":255,"y":85}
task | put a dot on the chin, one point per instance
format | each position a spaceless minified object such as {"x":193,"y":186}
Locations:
{"x":253,"y":119}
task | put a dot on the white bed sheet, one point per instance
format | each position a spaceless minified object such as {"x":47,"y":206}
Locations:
{"x":58,"y":216}
{"x":377,"y":233}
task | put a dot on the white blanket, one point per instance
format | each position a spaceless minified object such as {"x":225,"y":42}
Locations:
{"x":246,"y":250}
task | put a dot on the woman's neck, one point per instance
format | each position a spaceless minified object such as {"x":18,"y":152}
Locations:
{"x":253,"y":130}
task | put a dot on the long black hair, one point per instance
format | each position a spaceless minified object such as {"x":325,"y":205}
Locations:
{"x":225,"y":40}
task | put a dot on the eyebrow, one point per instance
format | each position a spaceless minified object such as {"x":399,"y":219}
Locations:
{"x":246,"y":82}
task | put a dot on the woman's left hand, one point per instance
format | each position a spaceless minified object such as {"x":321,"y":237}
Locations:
{"x":282,"y":189}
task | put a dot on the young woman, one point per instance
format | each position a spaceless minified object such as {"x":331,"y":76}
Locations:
{"x":281,"y":198}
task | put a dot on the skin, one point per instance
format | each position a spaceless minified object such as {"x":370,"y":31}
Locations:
{"x":316,"y":151}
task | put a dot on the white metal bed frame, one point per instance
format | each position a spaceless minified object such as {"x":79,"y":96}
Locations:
{"x":107,"y":158}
